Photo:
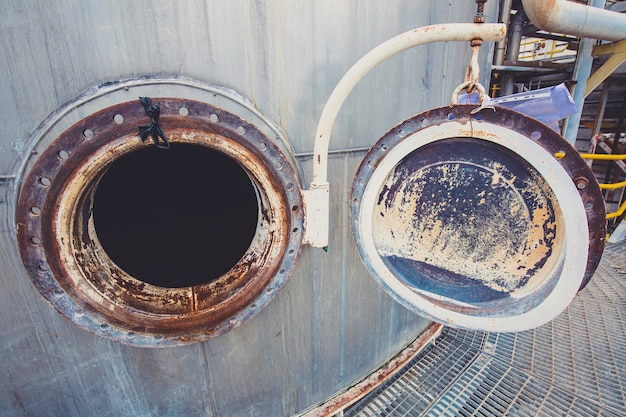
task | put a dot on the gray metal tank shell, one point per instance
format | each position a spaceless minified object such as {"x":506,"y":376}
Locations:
{"x":331,"y":324}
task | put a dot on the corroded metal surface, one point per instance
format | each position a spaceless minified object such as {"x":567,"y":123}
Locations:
{"x":285,"y":57}
{"x":380,"y":376}
{"x":64,"y":258}
{"x":477,"y":215}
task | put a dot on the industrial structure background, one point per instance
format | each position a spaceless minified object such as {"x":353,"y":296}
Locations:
{"x":272,"y":66}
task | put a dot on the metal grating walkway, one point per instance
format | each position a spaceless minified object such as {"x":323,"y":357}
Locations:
{"x":573,"y":366}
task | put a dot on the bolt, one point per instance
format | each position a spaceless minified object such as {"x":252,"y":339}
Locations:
{"x":581,"y":182}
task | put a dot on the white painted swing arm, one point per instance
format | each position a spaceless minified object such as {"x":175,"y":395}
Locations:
{"x":316,"y":198}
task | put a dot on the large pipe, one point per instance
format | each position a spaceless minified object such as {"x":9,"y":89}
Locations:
{"x":562,"y":16}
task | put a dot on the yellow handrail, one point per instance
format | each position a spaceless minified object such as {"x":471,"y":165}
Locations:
{"x":617,"y":213}
{"x":603,"y":156}
{"x":613,"y":186}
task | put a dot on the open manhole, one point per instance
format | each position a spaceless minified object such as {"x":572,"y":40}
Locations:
{"x":489,"y":221}
{"x":158,"y":247}
{"x":185,"y":228}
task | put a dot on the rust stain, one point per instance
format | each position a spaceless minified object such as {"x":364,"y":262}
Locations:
{"x":369,"y":384}
{"x":83,"y":269}
{"x":477,"y":221}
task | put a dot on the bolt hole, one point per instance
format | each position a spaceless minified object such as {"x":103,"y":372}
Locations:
{"x":295,"y":209}
{"x":295,"y":230}
{"x":291,"y":251}
{"x":384,"y":147}
{"x":35,"y":211}
{"x":269,"y":290}
{"x":213,"y":118}
{"x":241,"y":130}
{"x":356,"y":201}
{"x":88,"y":133}
{"x":58,"y":293}
{"x":158,"y":338}
{"x":263,"y":147}
{"x":450,"y":116}
{"x":35,"y":241}
{"x":536,"y":135}
{"x":183,"y":111}
{"x":43,"y":268}
{"x":79,"y":313}
{"x":63,"y":155}
{"x":45,"y":181}
{"x":130,"y":336}
{"x":279,"y":166}
{"x":401,"y":133}
{"x":508,"y":123}
{"x":104,"y":326}
{"x":118,"y":118}
{"x":289,"y":186}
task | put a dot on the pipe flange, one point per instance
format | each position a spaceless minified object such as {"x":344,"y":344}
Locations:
{"x":67,"y":263}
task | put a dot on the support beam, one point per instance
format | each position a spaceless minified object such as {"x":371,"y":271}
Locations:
{"x":604,"y":72}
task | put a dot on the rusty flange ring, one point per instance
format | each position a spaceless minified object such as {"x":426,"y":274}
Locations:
{"x":475,"y":220}
{"x":69,"y":267}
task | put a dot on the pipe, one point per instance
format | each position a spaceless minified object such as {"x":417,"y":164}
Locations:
{"x":562,"y":16}
{"x":505,"y":16}
{"x":316,"y":198}
{"x":512,"y":49}
{"x":582,"y":70}
{"x":427,"y":34}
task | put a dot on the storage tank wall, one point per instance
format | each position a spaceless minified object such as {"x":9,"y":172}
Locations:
{"x":331,"y":325}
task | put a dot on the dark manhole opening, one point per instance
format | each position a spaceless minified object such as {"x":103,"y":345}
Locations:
{"x":178,"y":217}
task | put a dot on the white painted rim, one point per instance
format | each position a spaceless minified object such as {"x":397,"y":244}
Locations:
{"x":574,"y":249}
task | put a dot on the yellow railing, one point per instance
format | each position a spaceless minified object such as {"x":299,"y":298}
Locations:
{"x":602,"y":156}
{"x":605,"y":157}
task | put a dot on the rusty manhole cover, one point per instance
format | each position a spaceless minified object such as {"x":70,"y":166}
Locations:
{"x":476,"y":221}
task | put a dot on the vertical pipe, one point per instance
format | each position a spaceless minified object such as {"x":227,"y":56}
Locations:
{"x":512,"y":50}
{"x":615,"y":147}
{"x":582,"y":70}
{"x":505,"y":17}
{"x":597,"y":124}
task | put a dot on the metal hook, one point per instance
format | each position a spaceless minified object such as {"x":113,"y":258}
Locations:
{"x":472,"y":82}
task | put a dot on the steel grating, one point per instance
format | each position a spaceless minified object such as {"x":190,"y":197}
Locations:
{"x":574,"y":365}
